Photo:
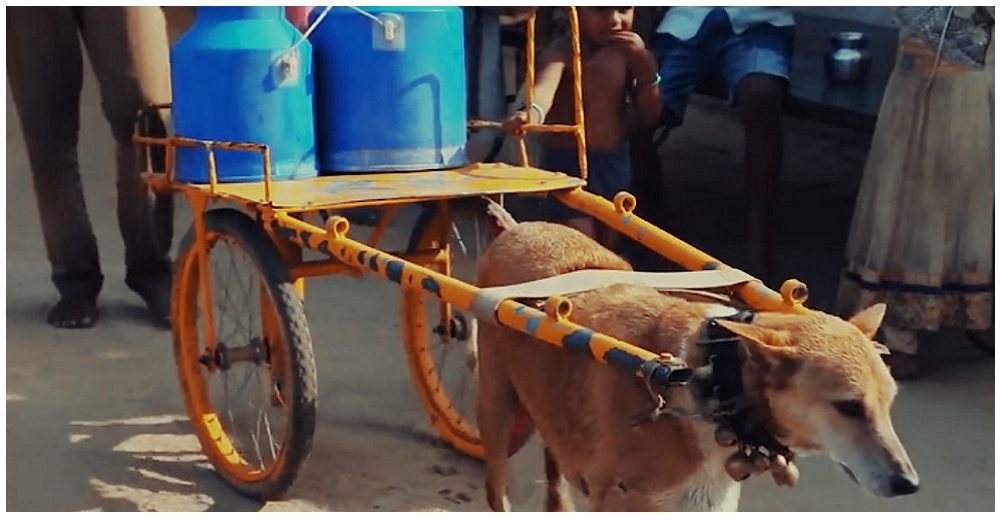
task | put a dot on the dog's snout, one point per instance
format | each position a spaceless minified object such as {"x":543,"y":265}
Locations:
{"x":903,"y":485}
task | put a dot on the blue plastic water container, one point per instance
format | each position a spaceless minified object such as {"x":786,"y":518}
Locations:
{"x":390,"y":88}
{"x":234,"y":79}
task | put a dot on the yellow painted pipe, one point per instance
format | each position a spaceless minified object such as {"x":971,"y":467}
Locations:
{"x":557,"y":331}
{"x":618,"y":215}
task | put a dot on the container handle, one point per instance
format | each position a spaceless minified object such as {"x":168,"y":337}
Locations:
{"x":286,"y":66}
{"x":326,"y":11}
{"x":369,"y":15}
{"x":391,"y":24}
{"x":312,"y":27}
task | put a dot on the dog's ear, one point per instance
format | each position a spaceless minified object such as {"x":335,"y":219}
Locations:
{"x":868,"y":320}
{"x":764,"y":336}
{"x":765,"y":345}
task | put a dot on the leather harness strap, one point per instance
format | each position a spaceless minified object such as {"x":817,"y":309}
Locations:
{"x":722,"y":352}
{"x":722,"y":349}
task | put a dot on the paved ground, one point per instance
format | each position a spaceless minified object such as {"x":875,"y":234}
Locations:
{"x":95,"y":419}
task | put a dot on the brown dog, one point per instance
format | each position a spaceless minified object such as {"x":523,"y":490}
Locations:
{"x":816,"y":381}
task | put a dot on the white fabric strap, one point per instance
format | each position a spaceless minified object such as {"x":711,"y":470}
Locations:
{"x":489,"y":299}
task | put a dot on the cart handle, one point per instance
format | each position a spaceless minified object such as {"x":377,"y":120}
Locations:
{"x":578,"y":128}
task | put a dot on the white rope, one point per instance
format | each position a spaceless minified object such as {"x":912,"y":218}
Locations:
{"x":311,"y":28}
{"x":369,"y":15}
{"x":944,"y":33}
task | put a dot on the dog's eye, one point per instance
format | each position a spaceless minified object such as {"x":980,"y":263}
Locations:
{"x":852,"y":408}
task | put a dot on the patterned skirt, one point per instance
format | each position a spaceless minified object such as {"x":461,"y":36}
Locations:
{"x":922,"y":236}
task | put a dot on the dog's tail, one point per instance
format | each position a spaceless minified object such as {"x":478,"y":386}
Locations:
{"x":501,"y":217}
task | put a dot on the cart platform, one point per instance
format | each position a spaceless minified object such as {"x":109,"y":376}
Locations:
{"x":370,"y":189}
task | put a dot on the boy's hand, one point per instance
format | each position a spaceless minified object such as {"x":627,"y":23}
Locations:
{"x":640,"y":63}
{"x":634,"y":47}
{"x":515,"y":124}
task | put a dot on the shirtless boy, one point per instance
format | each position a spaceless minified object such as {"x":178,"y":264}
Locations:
{"x":617,"y":69}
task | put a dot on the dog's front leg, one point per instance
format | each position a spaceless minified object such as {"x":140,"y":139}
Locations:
{"x":607,"y":496}
{"x":556,"y":489}
{"x":497,"y":409}
{"x":496,"y":494}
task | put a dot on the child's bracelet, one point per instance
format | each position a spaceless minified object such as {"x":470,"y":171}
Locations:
{"x":541,"y":113}
{"x":651,"y":84}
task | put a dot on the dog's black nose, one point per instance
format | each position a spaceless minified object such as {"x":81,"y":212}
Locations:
{"x":902,"y":485}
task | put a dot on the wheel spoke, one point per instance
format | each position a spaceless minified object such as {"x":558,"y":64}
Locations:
{"x":270,"y":438}
{"x":458,"y":239}
{"x":254,"y":437}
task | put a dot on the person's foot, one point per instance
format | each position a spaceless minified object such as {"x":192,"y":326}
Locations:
{"x":156,"y":293}
{"x":73,"y":313}
{"x":903,"y":366}
{"x":982,"y":339}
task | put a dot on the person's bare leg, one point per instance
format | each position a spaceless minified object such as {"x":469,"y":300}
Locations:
{"x":760,"y":97}
{"x":45,"y":70}
{"x":651,"y":196}
{"x":585,"y":225}
{"x":647,"y":176}
{"x":607,"y":236}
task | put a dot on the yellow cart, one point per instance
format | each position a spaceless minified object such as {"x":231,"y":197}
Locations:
{"x":242,"y":345}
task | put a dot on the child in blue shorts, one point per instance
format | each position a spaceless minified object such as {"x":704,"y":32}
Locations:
{"x":616,"y":68}
{"x":751,"y":48}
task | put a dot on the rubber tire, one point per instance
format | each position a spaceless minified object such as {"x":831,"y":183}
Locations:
{"x":298,"y":351}
{"x":438,"y":405}
{"x":452,"y":427}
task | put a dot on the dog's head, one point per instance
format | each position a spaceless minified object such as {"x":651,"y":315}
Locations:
{"x":829,"y":391}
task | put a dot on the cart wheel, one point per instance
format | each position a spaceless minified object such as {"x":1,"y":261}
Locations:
{"x":440,"y":341}
{"x":251,"y":395}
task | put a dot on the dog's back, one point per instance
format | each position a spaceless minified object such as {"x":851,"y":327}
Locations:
{"x":534,"y":250}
